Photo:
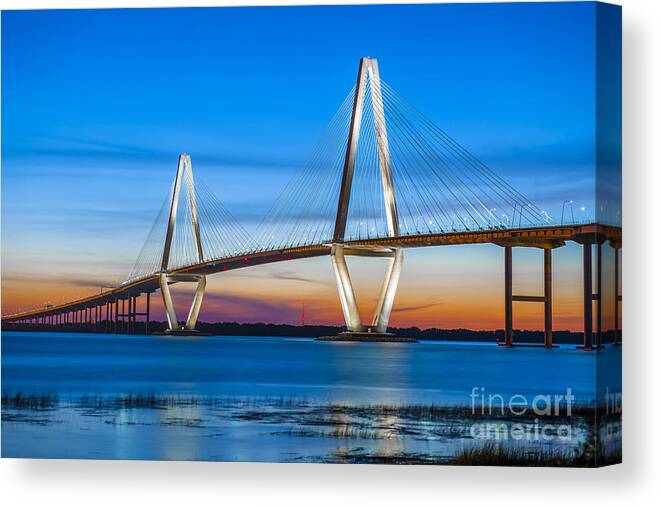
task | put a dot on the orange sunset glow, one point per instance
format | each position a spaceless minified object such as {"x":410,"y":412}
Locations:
{"x":442,"y":287}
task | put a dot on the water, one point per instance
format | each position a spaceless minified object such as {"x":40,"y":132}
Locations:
{"x":267,"y":398}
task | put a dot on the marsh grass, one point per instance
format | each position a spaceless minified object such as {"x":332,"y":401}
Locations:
{"x":131,"y":400}
{"x":433,"y":412}
{"x":154,"y":401}
{"x":497,"y":454}
{"x":19,"y":400}
{"x":419,"y":412}
{"x":342,"y":431}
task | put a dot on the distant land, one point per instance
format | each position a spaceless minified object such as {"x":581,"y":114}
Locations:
{"x":435,"y":334}
{"x":311,"y":331}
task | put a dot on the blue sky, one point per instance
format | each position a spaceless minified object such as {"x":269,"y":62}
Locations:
{"x":97,"y":105}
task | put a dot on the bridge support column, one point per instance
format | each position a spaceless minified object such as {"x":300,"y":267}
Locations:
{"x":592,"y":335}
{"x":547,"y":298}
{"x":616,"y":297}
{"x":129,"y":314}
{"x":587,"y":296}
{"x":167,"y":302}
{"x":345,"y":289}
{"x":147,"y":314}
{"x":508,"y":296}
{"x":116,"y":318}
{"x":387,"y":293}
{"x":597,"y":297}
{"x":122,"y":315}
{"x":106,"y":324}
{"x":133,"y":304}
{"x":126,"y":308}
{"x":194,"y":312}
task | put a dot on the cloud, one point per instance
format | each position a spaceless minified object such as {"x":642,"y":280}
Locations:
{"x":88,"y":148}
{"x":59,"y":279}
{"x":245,"y":308}
{"x":403,"y":309}
{"x":288,"y":275}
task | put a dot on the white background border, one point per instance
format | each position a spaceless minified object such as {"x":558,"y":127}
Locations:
{"x":636,"y":482}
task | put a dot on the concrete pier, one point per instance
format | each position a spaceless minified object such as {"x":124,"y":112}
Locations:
{"x":349,"y":336}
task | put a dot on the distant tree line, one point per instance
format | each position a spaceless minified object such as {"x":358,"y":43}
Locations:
{"x":263,"y":329}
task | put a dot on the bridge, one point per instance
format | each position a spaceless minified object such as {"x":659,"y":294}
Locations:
{"x":381,"y":179}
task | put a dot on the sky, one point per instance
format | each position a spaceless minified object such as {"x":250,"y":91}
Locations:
{"x":98,"y":104}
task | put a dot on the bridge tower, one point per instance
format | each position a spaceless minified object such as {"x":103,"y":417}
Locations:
{"x":184,"y":176}
{"x":368,"y":71}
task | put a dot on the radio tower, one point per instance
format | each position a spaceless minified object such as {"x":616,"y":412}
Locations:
{"x":302,"y":313}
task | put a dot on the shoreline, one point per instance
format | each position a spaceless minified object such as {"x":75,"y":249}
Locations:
{"x":521,"y":337}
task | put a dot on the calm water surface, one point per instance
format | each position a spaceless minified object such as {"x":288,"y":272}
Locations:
{"x":263,"y":398}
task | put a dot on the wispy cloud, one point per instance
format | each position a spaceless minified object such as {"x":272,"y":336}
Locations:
{"x":413,"y":308}
{"x":70,"y":147}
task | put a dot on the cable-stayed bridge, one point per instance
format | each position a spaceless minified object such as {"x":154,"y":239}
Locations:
{"x":381,"y":178}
